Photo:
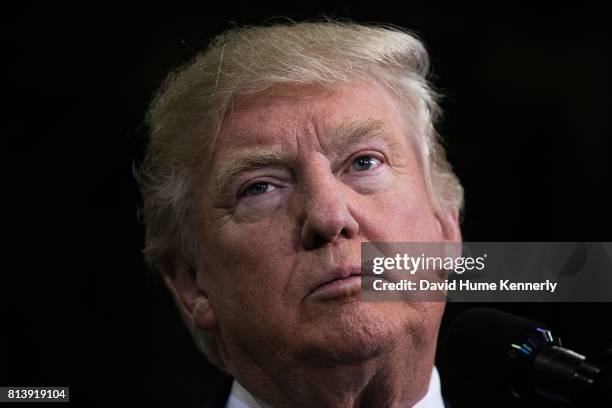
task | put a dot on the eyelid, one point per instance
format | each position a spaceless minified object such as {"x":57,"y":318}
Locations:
{"x":244,"y":191}
{"x":367,"y":153}
{"x":240,"y":193}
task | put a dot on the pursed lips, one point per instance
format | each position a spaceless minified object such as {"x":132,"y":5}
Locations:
{"x":335,"y":279}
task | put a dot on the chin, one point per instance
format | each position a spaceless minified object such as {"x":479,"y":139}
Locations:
{"x":356,"y":331}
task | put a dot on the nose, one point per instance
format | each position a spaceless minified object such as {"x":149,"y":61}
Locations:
{"x":328,"y":217}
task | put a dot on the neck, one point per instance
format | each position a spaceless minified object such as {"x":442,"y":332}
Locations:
{"x":398,"y":377}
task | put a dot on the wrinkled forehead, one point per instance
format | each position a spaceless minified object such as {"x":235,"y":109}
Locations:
{"x":285,"y":114}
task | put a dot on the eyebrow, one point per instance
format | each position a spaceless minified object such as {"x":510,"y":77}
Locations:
{"x":252,"y":159}
{"x":346,"y":133}
{"x":358,"y":131}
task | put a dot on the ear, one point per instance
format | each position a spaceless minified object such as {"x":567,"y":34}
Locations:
{"x":190,"y":297}
{"x":448,"y":223}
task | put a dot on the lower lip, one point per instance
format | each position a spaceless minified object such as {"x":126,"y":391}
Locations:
{"x":338,"y":288}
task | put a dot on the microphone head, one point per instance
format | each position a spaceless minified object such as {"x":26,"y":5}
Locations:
{"x":493,"y":349}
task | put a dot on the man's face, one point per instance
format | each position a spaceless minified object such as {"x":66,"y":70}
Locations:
{"x":300,"y":177}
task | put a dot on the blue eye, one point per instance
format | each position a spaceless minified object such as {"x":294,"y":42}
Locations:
{"x":364,"y":163}
{"x":258,"y":189}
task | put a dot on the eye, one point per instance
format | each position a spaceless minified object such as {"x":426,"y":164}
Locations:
{"x":258,"y":188}
{"x":364,"y":163}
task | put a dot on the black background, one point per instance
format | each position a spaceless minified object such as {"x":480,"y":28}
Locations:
{"x":527,"y":129}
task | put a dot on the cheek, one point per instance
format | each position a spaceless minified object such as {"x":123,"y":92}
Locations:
{"x":401,"y":215}
{"x":248,"y":264}
{"x":250,"y":288}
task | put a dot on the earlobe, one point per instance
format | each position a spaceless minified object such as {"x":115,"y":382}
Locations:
{"x":192,"y":301}
{"x":203,"y":314}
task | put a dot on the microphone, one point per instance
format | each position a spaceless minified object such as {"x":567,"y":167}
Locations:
{"x":490,"y":348}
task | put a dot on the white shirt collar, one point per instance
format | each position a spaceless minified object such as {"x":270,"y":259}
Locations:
{"x":241,"y":398}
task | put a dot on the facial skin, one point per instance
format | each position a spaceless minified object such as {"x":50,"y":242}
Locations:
{"x":300,"y":177}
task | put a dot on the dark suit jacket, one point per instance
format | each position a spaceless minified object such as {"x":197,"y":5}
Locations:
{"x":221,"y":394}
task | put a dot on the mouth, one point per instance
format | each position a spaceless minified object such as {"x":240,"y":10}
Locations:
{"x":339,"y":283}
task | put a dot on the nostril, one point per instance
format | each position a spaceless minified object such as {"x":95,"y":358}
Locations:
{"x":319,"y":241}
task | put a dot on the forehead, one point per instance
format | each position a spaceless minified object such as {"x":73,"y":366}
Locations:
{"x":285,"y":113}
